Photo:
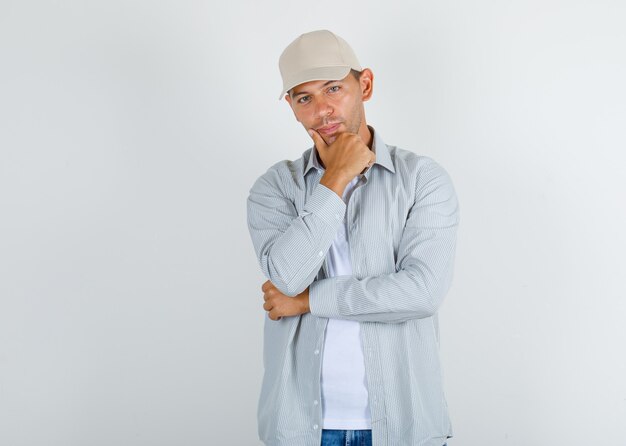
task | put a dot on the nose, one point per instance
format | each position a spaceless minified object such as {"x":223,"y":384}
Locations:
{"x":322,"y":108}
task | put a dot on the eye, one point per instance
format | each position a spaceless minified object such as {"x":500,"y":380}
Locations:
{"x":303,"y":99}
{"x":334,"y":88}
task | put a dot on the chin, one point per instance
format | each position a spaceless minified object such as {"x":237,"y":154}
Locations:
{"x":331,"y":139}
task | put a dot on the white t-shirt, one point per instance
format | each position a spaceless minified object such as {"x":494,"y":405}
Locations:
{"x":344,"y":387}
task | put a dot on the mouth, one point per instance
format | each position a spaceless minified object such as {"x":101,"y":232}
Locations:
{"x":329,"y":129}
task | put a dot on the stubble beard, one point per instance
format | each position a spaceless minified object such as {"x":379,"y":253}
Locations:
{"x":352,"y":125}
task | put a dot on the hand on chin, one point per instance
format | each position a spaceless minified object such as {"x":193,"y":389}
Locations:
{"x":331,"y":138}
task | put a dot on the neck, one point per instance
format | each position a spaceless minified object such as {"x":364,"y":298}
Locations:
{"x":366,"y":135}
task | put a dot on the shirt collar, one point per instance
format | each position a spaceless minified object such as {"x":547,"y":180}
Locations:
{"x":383,"y":158}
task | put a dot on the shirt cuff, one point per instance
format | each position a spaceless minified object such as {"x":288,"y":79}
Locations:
{"x":326,"y":204}
{"x":322,"y":299}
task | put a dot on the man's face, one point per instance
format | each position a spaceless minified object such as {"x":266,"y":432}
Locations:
{"x":332,"y":107}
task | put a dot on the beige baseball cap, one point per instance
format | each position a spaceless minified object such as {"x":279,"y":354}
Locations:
{"x":318,"y":55}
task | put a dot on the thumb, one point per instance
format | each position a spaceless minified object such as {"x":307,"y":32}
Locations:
{"x":318,"y":140}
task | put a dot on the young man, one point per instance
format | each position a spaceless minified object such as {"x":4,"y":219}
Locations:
{"x":357,"y":239}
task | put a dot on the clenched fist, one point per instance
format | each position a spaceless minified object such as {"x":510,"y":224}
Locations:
{"x":278,"y":304}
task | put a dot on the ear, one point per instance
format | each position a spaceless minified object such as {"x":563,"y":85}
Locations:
{"x":366,"y":82}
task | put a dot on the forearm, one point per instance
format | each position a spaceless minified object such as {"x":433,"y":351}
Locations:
{"x":335,"y":182}
{"x":414,"y":292}
{"x":291,"y":259}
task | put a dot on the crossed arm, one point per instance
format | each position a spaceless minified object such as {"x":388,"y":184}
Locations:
{"x":291,"y":249}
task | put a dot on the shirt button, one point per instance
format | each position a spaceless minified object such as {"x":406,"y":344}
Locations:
{"x":315,"y":426}
{"x":317,"y":352}
{"x":321,"y":253}
{"x":315,"y":403}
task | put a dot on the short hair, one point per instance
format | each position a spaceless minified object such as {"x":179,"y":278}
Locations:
{"x":356,"y":74}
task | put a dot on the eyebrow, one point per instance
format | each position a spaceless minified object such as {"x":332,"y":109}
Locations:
{"x":306,"y":92}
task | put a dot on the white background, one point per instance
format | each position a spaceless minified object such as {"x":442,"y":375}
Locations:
{"x":131,"y":132}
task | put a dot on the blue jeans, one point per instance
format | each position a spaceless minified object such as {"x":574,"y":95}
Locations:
{"x":347,"y":438}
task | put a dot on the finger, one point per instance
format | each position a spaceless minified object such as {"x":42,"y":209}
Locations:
{"x":266,"y":286}
{"x":318,"y":140}
{"x":271,"y":291}
{"x":273,"y":315}
{"x":267,"y":306}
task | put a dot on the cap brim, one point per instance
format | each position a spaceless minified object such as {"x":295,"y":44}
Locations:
{"x":315,"y":74}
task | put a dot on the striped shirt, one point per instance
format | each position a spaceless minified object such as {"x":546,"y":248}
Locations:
{"x":402,"y":230}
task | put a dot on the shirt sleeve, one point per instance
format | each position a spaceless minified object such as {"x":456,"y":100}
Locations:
{"x":291,"y":247}
{"x":424,"y":264}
